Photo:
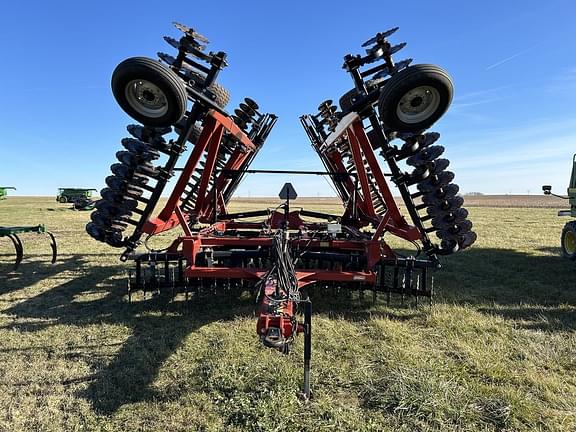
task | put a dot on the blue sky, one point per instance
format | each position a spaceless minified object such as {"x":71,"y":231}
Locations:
{"x":511,"y":128}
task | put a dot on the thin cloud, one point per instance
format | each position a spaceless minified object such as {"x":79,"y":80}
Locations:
{"x":483,"y":94}
{"x":512,"y":57}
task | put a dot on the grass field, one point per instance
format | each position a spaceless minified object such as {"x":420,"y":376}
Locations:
{"x":497,"y":351}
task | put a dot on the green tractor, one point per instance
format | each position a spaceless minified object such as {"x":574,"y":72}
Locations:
{"x":69,"y":195}
{"x":3,"y":191}
{"x":80,"y":198}
{"x":568,"y":238}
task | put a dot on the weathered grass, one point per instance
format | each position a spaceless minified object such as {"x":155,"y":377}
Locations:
{"x":497,"y":351}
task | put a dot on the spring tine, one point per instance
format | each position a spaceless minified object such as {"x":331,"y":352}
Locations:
{"x":53,"y":246}
{"x":129,"y":286}
{"x":138,"y":274}
{"x":173,"y":285}
{"x":19,"y":249}
{"x":166,"y":271}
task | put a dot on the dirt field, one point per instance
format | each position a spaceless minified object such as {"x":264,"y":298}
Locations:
{"x":496,"y":352}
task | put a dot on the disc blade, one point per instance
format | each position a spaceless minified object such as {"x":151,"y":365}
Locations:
{"x":190,"y":32}
{"x":467,"y":240}
{"x":437,"y":166}
{"x":436,"y":182}
{"x":115,"y":238}
{"x":449,"y":219}
{"x":449,"y":246}
{"x":425,"y":155}
{"x":96,"y":232}
{"x":380,"y":36}
{"x":397,"y":68}
{"x":397,"y":48}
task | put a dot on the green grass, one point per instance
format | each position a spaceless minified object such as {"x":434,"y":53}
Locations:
{"x":497,"y":351}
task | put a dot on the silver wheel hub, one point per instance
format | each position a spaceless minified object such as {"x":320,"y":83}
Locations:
{"x":146,"y":98}
{"x":418,"y":104}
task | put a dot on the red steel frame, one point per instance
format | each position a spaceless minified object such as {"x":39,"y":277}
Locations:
{"x":209,"y":141}
{"x":276,"y":323}
{"x":191,"y":243}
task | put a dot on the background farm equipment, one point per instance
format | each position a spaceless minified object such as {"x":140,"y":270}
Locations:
{"x":12,"y":234}
{"x":4,"y":191}
{"x":80,"y":198}
{"x":288,"y":248}
{"x":568,"y":236}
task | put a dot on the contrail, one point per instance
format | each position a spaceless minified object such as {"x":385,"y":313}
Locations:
{"x":507,"y":59}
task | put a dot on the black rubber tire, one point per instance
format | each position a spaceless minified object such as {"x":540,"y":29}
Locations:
{"x":194,"y":135}
{"x":62,"y":200}
{"x":349,"y":98}
{"x":221,"y":95}
{"x":172,"y":87}
{"x":567,"y":241}
{"x":404,"y":81}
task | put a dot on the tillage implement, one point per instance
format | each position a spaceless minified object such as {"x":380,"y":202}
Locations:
{"x":375,"y":139}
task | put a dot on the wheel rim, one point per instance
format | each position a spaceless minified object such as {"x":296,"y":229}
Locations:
{"x":570,"y":242}
{"x":146,"y":98}
{"x":418,"y":104}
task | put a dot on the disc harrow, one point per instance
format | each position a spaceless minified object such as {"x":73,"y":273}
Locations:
{"x":378,"y":135}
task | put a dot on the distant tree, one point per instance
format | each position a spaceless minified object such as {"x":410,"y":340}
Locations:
{"x":474,"y":194}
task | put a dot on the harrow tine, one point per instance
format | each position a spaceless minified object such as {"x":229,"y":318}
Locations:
{"x":19,"y":249}
{"x":53,"y":246}
{"x":129,"y":286}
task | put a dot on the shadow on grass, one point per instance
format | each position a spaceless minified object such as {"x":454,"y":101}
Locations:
{"x":495,"y":281}
{"x":506,"y":277}
{"x":158,"y":328}
{"x":556,"y":250}
{"x":538,"y":292}
{"x":31,"y":272}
